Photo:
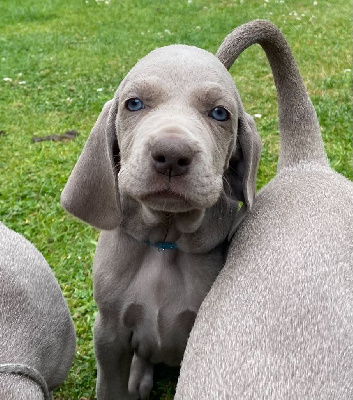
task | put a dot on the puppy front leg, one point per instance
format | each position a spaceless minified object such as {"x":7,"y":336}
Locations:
{"x":114,"y":355}
{"x":141,"y":377}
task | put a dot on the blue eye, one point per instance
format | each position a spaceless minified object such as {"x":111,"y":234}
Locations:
{"x":219,"y":114}
{"x":134,"y":104}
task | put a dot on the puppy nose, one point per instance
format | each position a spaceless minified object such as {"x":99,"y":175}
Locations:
{"x":171,"y":156}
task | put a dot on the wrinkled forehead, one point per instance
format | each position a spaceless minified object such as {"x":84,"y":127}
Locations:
{"x":178,"y":65}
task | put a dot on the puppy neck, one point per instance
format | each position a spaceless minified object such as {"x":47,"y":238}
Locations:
{"x":197,"y":231}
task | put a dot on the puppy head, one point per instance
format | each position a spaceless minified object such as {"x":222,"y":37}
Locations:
{"x":173,"y":138}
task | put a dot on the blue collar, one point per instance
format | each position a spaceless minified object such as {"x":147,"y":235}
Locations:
{"x":161,"y":246}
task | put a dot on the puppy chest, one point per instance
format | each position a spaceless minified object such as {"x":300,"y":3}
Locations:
{"x":163,"y":300}
{"x":169,"y":278}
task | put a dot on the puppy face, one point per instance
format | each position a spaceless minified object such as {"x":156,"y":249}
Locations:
{"x":176,"y":123}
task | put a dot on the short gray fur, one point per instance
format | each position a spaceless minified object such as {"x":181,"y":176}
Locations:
{"x":37,"y":337}
{"x":278,"y":321}
{"x":24,"y":371}
{"x":147,"y":298}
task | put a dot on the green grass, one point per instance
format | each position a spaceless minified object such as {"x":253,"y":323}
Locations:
{"x":64,"y":59}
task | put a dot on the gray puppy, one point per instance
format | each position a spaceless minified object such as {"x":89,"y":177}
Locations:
{"x":160,"y":175}
{"x":278,"y":321}
{"x":37,"y":337}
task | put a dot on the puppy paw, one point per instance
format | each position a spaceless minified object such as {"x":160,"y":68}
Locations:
{"x":141,"y":378}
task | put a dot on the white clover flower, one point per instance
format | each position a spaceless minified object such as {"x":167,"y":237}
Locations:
{"x":7,"y":79}
{"x":167,"y":31}
{"x":100,"y":89}
{"x":315,"y":3}
{"x":347,"y":70}
{"x":22,"y":82}
{"x":257,"y":115}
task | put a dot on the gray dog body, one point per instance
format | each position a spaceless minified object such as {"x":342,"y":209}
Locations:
{"x":37,"y":337}
{"x":278,"y":321}
{"x":164,"y":166}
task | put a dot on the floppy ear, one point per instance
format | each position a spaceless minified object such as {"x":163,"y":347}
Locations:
{"x":91,"y":192}
{"x":240,"y":177}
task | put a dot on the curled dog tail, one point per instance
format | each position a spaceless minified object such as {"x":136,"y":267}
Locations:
{"x":300,"y":132}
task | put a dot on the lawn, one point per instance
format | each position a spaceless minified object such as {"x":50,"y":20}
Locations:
{"x":61,"y":60}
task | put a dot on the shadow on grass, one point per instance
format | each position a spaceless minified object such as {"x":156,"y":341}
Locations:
{"x":164,"y":382}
